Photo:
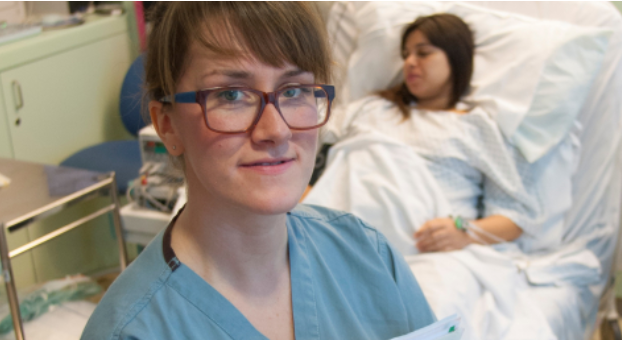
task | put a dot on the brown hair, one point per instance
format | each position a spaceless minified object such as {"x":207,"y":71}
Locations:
{"x":449,"y":33}
{"x":273,"y":32}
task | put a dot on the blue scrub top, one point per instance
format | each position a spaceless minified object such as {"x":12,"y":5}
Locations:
{"x":347,"y":283}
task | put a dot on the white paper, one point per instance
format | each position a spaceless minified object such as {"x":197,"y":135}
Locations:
{"x":446,"y":329}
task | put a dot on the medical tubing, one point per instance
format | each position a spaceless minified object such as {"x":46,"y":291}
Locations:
{"x":40,"y":301}
{"x":128,"y":193}
{"x":475,"y":237}
{"x":461,"y":224}
{"x":138,"y":189}
{"x":470,"y":226}
{"x":152,"y":200}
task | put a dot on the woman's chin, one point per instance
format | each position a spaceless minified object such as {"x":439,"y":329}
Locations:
{"x":276,"y":207}
{"x":274,"y":203}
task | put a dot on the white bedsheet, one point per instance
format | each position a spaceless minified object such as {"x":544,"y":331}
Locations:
{"x":466,"y":156}
{"x":498,"y":291}
{"x":503,"y":294}
{"x":371,"y":176}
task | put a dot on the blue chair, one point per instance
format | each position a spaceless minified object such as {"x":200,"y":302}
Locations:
{"x":122,"y":157}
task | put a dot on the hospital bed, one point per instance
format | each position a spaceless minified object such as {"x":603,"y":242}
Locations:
{"x":589,"y":222}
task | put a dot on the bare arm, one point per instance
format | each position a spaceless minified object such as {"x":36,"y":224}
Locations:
{"x":500,"y":226}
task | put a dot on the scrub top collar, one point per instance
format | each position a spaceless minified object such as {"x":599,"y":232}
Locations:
{"x":230,"y":319}
{"x":169,"y":254}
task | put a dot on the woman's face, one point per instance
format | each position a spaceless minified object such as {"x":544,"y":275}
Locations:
{"x":264,"y":171}
{"x":427,"y":73}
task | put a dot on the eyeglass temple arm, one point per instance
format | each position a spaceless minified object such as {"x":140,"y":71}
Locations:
{"x":330,"y":90}
{"x":185,"y":97}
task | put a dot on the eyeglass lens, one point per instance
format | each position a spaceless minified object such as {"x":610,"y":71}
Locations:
{"x":235,"y":110}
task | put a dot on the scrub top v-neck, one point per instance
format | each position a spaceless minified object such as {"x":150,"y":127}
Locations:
{"x":346,"y":281}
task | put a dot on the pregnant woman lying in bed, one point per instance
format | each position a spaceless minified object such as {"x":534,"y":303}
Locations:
{"x":419,"y":165}
{"x":408,"y":158}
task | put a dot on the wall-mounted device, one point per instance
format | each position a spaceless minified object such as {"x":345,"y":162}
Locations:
{"x":158,"y":181}
{"x":152,"y":150}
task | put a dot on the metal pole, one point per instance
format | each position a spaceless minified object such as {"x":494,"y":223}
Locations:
{"x":60,"y":231}
{"x":116,"y":217}
{"x":55,"y":206}
{"x":11,"y":292}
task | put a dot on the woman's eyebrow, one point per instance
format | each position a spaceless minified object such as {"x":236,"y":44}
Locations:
{"x":237,"y":74}
{"x":294,"y":72}
{"x":241,"y":74}
{"x":296,"y":75}
{"x":419,"y":45}
{"x":233,"y":74}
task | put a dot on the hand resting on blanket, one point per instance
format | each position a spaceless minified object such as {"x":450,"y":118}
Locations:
{"x":441,"y":234}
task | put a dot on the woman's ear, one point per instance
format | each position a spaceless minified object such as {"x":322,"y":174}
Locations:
{"x":164,"y":127}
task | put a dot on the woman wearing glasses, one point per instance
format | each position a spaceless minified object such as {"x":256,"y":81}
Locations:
{"x":240,"y":98}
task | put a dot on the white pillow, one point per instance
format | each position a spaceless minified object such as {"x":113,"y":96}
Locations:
{"x":531,"y":75}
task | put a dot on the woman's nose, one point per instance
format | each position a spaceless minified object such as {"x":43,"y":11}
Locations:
{"x":411,"y":60}
{"x":271,"y":128}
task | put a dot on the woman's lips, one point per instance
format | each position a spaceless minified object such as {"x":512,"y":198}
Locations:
{"x":412,"y":77}
{"x":269,"y":166}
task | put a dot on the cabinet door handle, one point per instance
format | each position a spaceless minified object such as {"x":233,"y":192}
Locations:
{"x":17,"y":95}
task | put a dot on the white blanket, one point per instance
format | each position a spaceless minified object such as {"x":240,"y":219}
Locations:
{"x":372,"y":176}
{"x":500,"y":292}
{"x":503,"y":294}
{"x":495,"y":290}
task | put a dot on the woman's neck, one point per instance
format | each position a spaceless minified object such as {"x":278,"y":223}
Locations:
{"x":228,"y":247}
{"x":433,"y":107}
{"x":434,"y":104}
{"x":244,"y":258}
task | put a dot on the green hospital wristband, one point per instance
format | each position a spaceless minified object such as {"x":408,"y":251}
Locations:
{"x":459,"y":223}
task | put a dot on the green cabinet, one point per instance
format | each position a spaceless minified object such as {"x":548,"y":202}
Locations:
{"x":60,"y":90}
{"x":59,"y":93}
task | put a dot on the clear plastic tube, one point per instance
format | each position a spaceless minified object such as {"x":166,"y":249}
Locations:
{"x":477,"y":231}
{"x":40,"y":301}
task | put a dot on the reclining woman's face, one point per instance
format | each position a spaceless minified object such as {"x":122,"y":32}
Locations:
{"x":427,"y":73}
{"x":263,"y":171}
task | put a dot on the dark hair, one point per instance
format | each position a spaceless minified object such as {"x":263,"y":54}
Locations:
{"x":273,"y":32}
{"x":449,"y":33}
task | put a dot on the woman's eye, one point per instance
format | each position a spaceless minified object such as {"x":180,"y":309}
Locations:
{"x":291,"y":93}
{"x":231,"y":95}
{"x":422,"y":54}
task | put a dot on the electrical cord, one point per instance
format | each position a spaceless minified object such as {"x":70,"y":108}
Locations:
{"x":139,"y":190}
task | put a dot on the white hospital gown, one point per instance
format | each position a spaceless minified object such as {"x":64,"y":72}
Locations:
{"x":478,"y":172}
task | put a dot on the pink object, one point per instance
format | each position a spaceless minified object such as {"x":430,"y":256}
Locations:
{"x":140,"y":25}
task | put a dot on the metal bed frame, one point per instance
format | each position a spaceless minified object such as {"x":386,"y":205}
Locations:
{"x":104,"y":187}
